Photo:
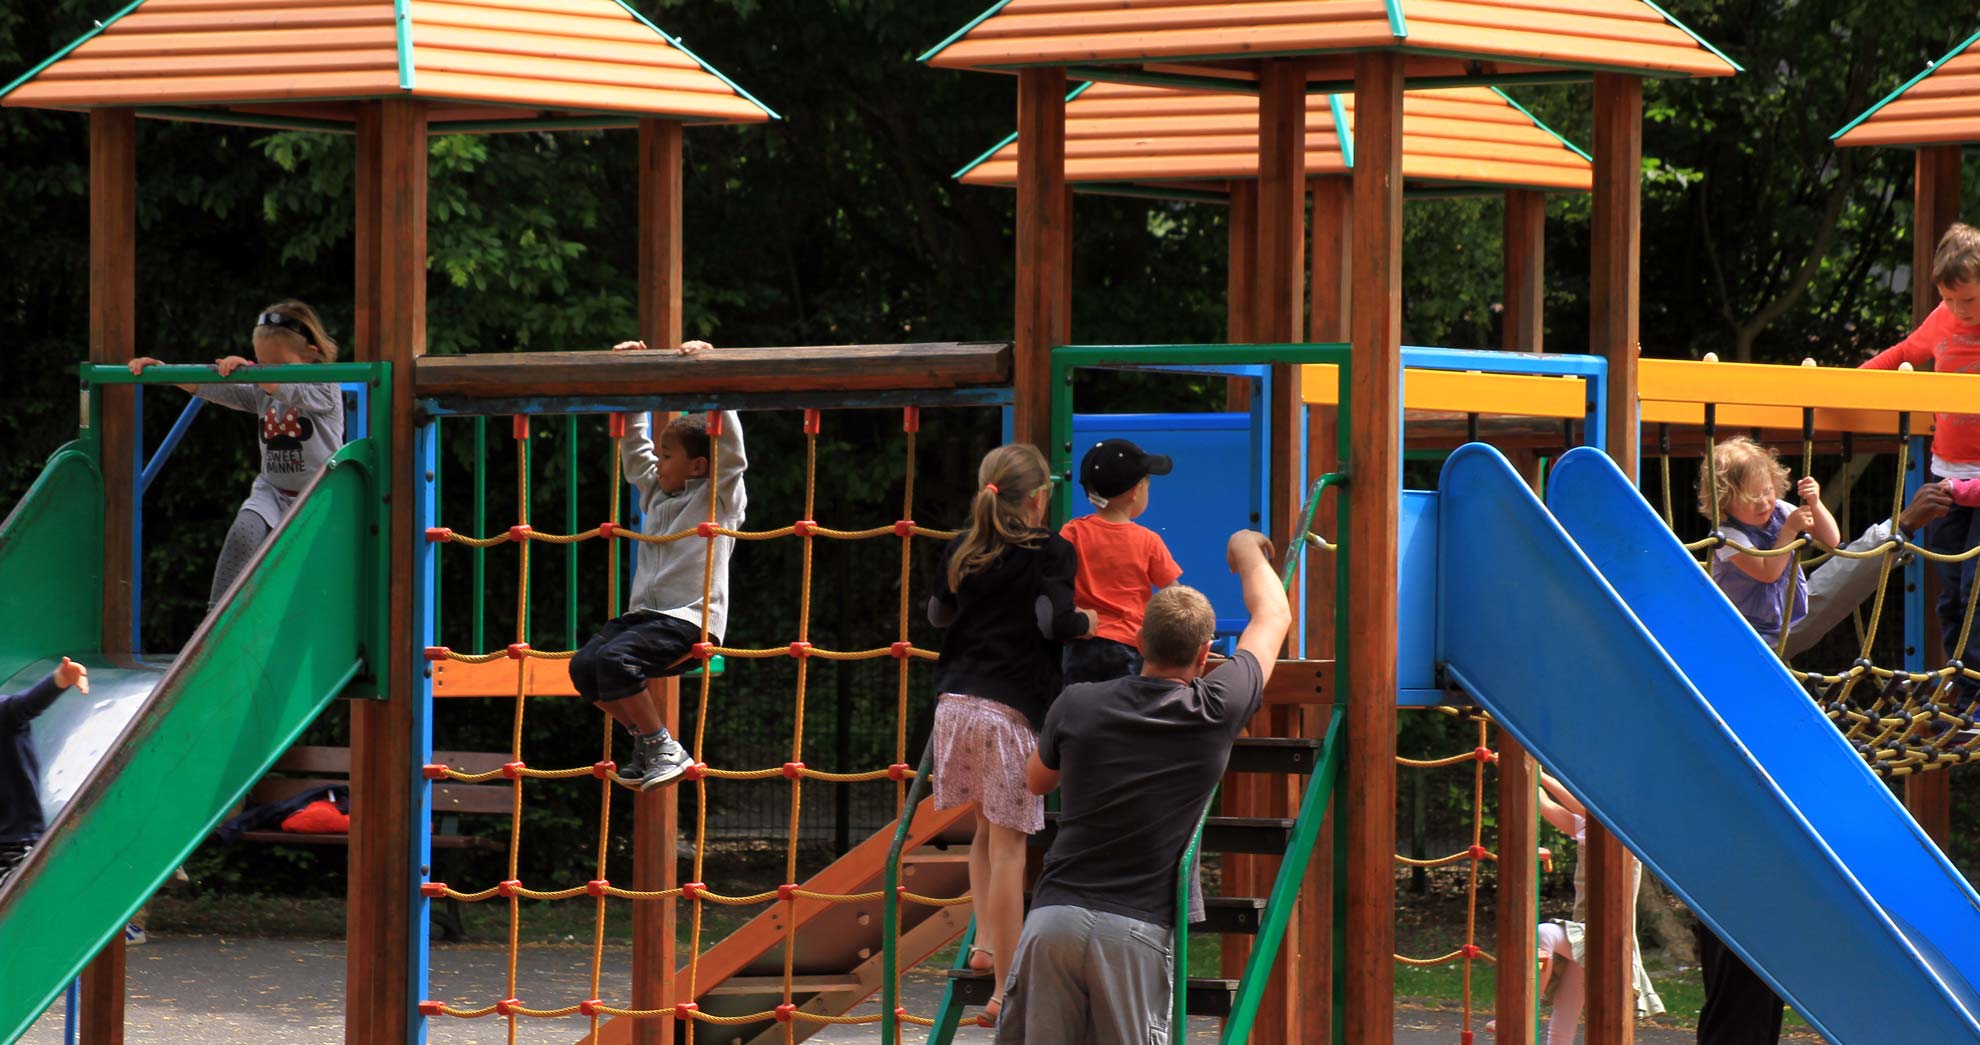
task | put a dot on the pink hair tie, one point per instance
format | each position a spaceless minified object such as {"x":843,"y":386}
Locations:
{"x":992,"y":487}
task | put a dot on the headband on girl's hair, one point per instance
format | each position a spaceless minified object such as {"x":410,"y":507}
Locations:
{"x":289,"y":323}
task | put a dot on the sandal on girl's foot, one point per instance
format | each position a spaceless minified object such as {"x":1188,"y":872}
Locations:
{"x":991,"y":1010}
{"x":989,"y":959}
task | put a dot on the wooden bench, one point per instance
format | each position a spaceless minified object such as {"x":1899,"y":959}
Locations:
{"x":305,"y":769}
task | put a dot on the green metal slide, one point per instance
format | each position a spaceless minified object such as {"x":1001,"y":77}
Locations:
{"x":291,"y":637}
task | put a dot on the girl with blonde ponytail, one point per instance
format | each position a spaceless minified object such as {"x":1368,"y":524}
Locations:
{"x":1006,"y":598}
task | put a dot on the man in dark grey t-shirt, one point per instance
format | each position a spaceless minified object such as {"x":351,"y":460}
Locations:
{"x":1134,"y":760}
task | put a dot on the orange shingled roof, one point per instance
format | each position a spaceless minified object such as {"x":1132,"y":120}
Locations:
{"x":1940,"y":106}
{"x":1194,"y":140}
{"x":1479,"y":41}
{"x":301,"y":62}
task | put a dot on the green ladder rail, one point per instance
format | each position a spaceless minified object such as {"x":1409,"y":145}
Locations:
{"x":890,"y":916}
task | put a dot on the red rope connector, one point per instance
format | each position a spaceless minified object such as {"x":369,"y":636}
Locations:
{"x":608,"y":530}
{"x":900,"y":1011}
{"x":433,"y":890}
{"x":693,"y":891}
{"x":715,"y":424}
{"x":520,"y":532}
{"x":686,"y":1010}
{"x":793,"y":770}
{"x":615,"y":424}
{"x":1478,"y":852}
{"x":513,"y":770}
{"x":904,"y":527}
{"x":596,"y":887}
{"x":1484,"y":754}
{"x":1472,"y":950}
{"x":433,"y":771}
{"x":436,"y":653}
{"x":787,"y":892}
{"x":696,"y":771}
{"x":900,"y":650}
{"x":910,"y":419}
{"x":899,"y":771}
{"x":704,"y":528}
{"x":811,"y":420}
{"x":784,"y":1012}
{"x":1464,"y":1037}
{"x":800,"y":650}
{"x":519,"y":426}
{"x":438,"y":534}
{"x":702,"y":650}
{"x":508,"y":888}
{"x":517,"y":650}
{"x":507,"y":1006}
{"x":804,"y":527}
{"x":604,"y":770}
{"x":589,"y":1006}
{"x":433,"y":1008}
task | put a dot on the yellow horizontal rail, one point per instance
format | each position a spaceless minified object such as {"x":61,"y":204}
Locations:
{"x":1465,"y":392}
{"x":1859,"y":422}
{"x":1840,"y":388}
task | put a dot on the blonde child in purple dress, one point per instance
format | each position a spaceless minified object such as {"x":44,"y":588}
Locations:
{"x":1006,"y":599}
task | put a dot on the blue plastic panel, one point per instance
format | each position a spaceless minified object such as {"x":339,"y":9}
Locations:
{"x":1215,"y":489}
{"x":1416,"y":601}
{"x":1533,"y":630}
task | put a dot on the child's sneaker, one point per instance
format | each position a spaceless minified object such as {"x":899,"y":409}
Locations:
{"x":134,"y":935}
{"x":633,"y":769}
{"x":662,"y":759}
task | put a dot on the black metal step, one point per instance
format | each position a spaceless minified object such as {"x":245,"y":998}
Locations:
{"x":1292,"y":755}
{"x":1206,"y":997}
{"x":1264,"y":835}
{"x":1239,"y":915}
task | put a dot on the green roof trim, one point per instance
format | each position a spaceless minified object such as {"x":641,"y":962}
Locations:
{"x":1701,"y":41}
{"x":1398,"y":26}
{"x":402,"y":30}
{"x":999,"y":147}
{"x":64,"y":52}
{"x":709,"y":69}
{"x":964,"y":31}
{"x":1341,"y":129}
{"x":1542,"y":124}
{"x":1930,"y":68}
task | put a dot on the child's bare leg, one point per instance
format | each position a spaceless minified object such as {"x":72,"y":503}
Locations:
{"x":1005,"y":900}
{"x":982,"y":954}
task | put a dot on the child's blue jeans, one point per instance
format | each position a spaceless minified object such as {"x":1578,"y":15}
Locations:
{"x":1953,"y":533}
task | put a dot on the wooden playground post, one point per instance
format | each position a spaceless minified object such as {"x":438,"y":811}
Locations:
{"x":113,"y":339}
{"x":1524,"y":249}
{"x":1242,"y":249}
{"x":1313,"y":932}
{"x":1041,"y":253}
{"x":1613,"y":298}
{"x":1935,"y":194}
{"x":391,"y":304}
{"x":656,"y":814}
{"x":1375,"y":383}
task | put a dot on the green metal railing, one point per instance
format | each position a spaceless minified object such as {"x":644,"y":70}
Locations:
{"x":1185,"y":877}
{"x":890,"y":917}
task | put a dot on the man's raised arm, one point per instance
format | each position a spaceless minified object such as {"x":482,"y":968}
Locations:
{"x":1250,"y":555}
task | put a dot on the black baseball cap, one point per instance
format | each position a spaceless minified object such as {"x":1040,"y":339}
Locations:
{"x":1113,"y":466}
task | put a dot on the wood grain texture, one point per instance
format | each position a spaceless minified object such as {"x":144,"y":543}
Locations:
{"x":1239,"y":279}
{"x":1375,"y":383}
{"x":101,"y":1020}
{"x":1524,"y":323}
{"x":656,"y":835}
{"x":823,"y":368}
{"x":384,"y":766}
{"x":1935,"y":199}
{"x":1518,"y":910}
{"x":1041,"y":250}
{"x":659,"y":232}
{"x":1614,"y":301}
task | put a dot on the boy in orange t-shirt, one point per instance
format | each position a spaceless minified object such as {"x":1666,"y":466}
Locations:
{"x":1121,"y":563}
{"x":1949,"y":342}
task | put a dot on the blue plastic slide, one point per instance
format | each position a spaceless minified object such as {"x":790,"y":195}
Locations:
{"x":1594,"y":638}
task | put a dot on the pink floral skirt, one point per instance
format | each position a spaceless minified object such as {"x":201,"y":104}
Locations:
{"x":981,"y":747}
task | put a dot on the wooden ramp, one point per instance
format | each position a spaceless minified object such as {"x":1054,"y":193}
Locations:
{"x":838,"y":963}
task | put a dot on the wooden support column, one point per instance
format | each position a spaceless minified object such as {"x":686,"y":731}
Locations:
{"x":1041,"y":254}
{"x":1333,"y":211}
{"x":1239,"y":279}
{"x":1375,"y":469}
{"x":656,"y":814}
{"x":113,"y":339}
{"x":1936,"y":206}
{"x":391,"y":304}
{"x":1525,"y":245}
{"x":1614,"y":304}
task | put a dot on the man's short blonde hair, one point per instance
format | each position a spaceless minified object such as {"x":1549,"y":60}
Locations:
{"x":1178,"y":621}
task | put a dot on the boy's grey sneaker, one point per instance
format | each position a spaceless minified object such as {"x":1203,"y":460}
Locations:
{"x":633,"y":769}
{"x":662,"y":758}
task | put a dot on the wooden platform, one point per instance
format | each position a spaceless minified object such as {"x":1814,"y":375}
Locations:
{"x":818,"y":368}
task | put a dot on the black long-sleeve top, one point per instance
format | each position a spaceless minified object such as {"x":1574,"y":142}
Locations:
{"x":20,"y":802}
{"x":1006,"y":623}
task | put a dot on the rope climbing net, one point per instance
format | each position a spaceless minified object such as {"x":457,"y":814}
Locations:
{"x":690,"y":983}
{"x":1902,"y":722}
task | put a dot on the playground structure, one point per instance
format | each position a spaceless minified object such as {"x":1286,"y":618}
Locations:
{"x":379,"y":482}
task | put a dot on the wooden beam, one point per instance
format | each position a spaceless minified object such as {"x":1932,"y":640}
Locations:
{"x":1239,"y":278}
{"x":392,"y":281}
{"x":659,"y":253}
{"x":824,"y":368}
{"x":1614,"y":304}
{"x":1518,"y":906}
{"x":1523,"y":324}
{"x":113,"y":339}
{"x":1313,"y":931}
{"x":1041,"y":252}
{"x":1375,"y":383}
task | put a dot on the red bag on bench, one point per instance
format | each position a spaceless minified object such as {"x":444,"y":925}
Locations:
{"x":320,"y":817}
